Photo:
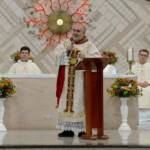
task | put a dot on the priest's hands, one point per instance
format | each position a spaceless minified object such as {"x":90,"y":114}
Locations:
{"x":69,"y":47}
{"x":81,"y":55}
{"x":144,"y":84}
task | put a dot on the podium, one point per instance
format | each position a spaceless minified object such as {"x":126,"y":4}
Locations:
{"x":93,"y":95}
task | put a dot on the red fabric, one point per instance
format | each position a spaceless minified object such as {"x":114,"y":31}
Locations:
{"x":60,"y":82}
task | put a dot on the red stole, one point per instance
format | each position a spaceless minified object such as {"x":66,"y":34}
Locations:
{"x":60,"y":82}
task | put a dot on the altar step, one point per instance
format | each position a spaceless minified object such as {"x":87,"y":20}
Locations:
{"x":48,"y":139}
{"x":34,"y":147}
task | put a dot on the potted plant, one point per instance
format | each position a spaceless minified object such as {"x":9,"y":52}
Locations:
{"x":124,"y":88}
{"x":7,"y":89}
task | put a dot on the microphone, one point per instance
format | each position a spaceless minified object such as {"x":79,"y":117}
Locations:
{"x":68,"y":52}
{"x":70,"y":47}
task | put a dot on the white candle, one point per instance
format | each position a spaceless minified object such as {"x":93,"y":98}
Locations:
{"x":130,"y":54}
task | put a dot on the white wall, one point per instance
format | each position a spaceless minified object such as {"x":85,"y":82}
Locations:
{"x":114,"y":24}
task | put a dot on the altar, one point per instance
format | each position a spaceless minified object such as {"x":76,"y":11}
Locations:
{"x":34,"y":105}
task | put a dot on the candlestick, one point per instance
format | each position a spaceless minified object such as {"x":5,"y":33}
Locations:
{"x":130,"y":60}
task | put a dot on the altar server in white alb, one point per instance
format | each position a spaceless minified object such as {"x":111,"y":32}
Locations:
{"x":142,"y":70}
{"x":24,"y":65}
{"x":70,"y":122}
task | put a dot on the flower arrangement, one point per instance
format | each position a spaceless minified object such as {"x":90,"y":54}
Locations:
{"x":7,"y":88}
{"x":124,"y":87}
{"x":111,"y":55}
{"x":15,"y":56}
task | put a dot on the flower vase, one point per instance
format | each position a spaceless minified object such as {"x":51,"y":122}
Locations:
{"x":124,"y":114}
{"x":2,"y":110}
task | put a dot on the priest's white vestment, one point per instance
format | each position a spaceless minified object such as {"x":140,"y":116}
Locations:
{"x":75,"y":120}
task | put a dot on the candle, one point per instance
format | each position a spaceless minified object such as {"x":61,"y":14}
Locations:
{"x":130,"y":54}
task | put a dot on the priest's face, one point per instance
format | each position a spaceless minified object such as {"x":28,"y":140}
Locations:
{"x":78,"y":33}
{"x":143,"y":57}
{"x":24,"y":55}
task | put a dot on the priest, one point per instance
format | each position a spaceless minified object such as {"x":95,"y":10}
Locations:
{"x":70,"y":82}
